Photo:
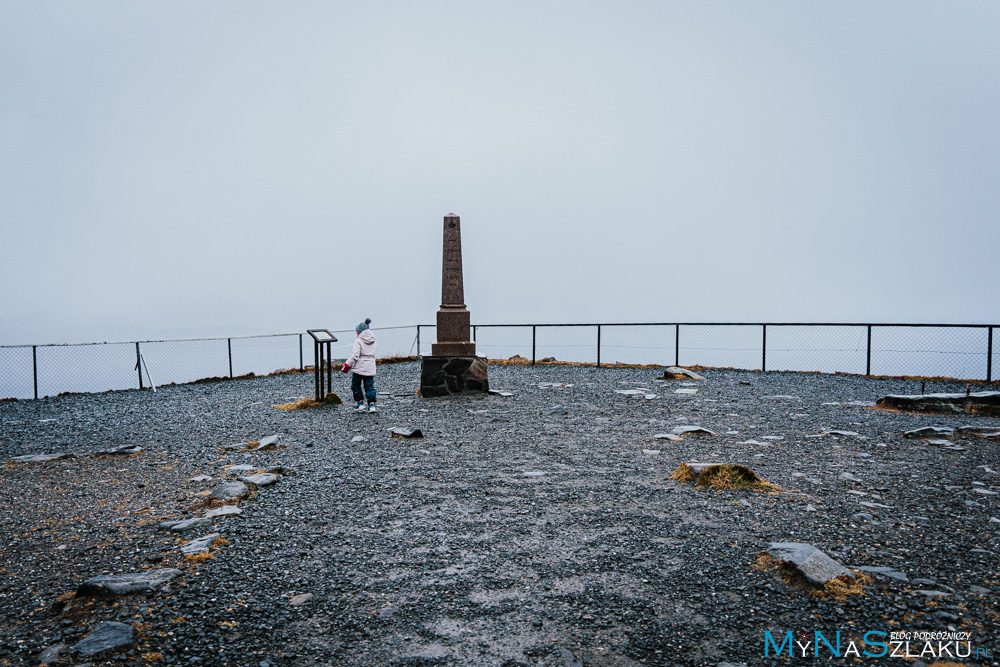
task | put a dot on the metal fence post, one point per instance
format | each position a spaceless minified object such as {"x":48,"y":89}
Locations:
{"x":763,"y":350}
{"x":302,"y":366}
{"x":677,"y":345}
{"x":598,"y":345}
{"x":868,"y":365}
{"x":989,"y":355}
{"x":229,"y":346}
{"x":418,"y":340}
{"x":473,"y":333}
{"x":34,"y":366}
{"x":138,"y":363}
{"x":532,"y":344}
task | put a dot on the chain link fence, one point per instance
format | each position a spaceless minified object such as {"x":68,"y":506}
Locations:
{"x":930,"y":350}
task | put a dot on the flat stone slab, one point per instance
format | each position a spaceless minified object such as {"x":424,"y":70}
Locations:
{"x":815,"y":566}
{"x":199,"y":545}
{"x":930,"y":432}
{"x":201,"y":478}
{"x":976,"y":402}
{"x":841,"y":433}
{"x":980,"y":431}
{"x":107,"y":637}
{"x":884,"y":571}
{"x":230,"y":491}
{"x":225,"y":510}
{"x":240,"y":468}
{"x":41,"y":458}
{"x":268,"y":443}
{"x":678,"y":373}
{"x":260,"y":479}
{"x":120,"y":450}
{"x":111,"y":585}
{"x":685,"y":390}
{"x":300,"y":600}
{"x":666,"y":436}
{"x":186,"y":524}
{"x":407,"y":432}
{"x":692,"y":430}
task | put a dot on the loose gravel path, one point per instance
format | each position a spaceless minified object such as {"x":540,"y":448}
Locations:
{"x":511,"y":534}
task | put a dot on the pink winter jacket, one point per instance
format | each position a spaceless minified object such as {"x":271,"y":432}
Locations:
{"x":362,"y":359}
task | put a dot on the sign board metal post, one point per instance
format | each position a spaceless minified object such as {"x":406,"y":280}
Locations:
{"x":322,"y":353}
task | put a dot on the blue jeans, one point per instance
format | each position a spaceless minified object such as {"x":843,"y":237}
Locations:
{"x":369,"y":382}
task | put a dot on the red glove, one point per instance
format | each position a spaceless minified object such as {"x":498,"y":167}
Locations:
{"x":345,"y":368}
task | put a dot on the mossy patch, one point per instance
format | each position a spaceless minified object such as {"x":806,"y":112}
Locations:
{"x":301,"y":404}
{"x":723,"y":476}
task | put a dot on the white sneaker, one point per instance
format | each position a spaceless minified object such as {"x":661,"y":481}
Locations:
{"x":360,"y":407}
{"x":372,"y":408}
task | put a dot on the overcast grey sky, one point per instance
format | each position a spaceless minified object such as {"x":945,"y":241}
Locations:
{"x":190,"y":168}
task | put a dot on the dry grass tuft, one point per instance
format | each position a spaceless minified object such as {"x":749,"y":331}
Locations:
{"x":152,"y":656}
{"x":395,"y":360}
{"x":220,"y":542}
{"x":684,"y":473}
{"x":723,"y":476}
{"x":199,"y":558}
{"x":766,"y":562}
{"x":300,"y":404}
{"x":843,"y":587}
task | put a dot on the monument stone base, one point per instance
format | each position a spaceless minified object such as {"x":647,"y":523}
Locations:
{"x":453,"y":374}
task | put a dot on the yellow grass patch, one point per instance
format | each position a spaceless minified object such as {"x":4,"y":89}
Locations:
{"x":220,"y":542}
{"x":840,"y":588}
{"x":301,"y":404}
{"x":723,"y":476}
{"x":152,"y":656}
{"x":199,"y":558}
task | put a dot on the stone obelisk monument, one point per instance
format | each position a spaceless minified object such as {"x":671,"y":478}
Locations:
{"x":453,"y":366}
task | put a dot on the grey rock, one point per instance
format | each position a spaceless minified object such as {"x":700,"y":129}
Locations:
{"x":225,"y":510}
{"x":267,"y":444}
{"x":862,"y":516}
{"x":884,"y":571}
{"x":925,"y":581}
{"x":243,"y":467}
{"x":198,"y":546}
{"x":667,"y":436}
{"x":848,"y":477}
{"x":678,"y":373}
{"x":557,"y":410}
{"x":51,"y":654}
{"x":815,"y":566}
{"x":842,"y":433}
{"x":977,"y":402}
{"x":120,"y":450}
{"x":693,"y":430}
{"x":201,"y":478}
{"x":731,"y":664}
{"x":260,"y":479}
{"x":933,"y":594}
{"x":106,"y":638}
{"x":930,"y":432}
{"x":358,"y":438}
{"x":186,"y":524}
{"x":299,"y":600}
{"x":277,"y":470}
{"x":408,"y":432}
{"x":984,"y":492}
{"x":783,"y":397}
{"x":980,"y":431}
{"x":41,"y":458}
{"x":534,"y":473}
{"x":110,"y":585}
{"x":230,"y":491}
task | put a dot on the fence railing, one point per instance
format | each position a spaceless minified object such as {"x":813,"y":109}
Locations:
{"x":933,"y":350}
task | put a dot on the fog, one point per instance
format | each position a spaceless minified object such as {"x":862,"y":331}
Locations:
{"x":186,"y":168}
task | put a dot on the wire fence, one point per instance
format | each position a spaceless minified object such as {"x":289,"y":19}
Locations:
{"x":963,"y":351}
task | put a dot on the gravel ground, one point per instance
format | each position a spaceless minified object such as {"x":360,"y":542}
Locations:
{"x":443,"y":551}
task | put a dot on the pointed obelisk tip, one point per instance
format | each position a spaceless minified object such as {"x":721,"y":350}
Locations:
{"x":451,"y":215}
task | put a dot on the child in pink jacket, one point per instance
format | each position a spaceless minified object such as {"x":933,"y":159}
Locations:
{"x":362,"y":362}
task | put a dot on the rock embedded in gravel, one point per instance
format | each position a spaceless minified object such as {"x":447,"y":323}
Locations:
{"x":186,"y":524}
{"x":120,"y":450}
{"x":358,"y":438}
{"x":692,"y":430}
{"x":51,"y":654}
{"x":678,"y":373}
{"x":299,"y":600}
{"x":260,"y":479}
{"x":111,"y":585}
{"x":243,"y":467}
{"x":930,"y":432}
{"x":889,"y":572}
{"x":976,"y":402}
{"x":848,"y":477}
{"x":230,"y":491}
{"x":199,"y":545}
{"x":816,"y":567}
{"x":201,"y":478}
{"x":267,"y":444}
{"x":980,"y":431}
{"x":666,"y":436}
{"x":407,"y":432}
{"x":106,"y":638}
{"x":557,"y":410}
{"x":225,"y":510}
{"x":41,"y":458}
